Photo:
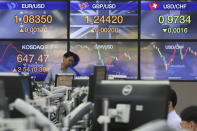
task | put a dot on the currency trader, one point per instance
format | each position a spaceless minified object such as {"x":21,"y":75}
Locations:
{"x":173,"y":119}
{"x":69,"y":59}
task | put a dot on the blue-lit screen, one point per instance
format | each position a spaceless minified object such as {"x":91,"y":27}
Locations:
{"x":33,"y":19}
{"x":169,"y":60}
{"x":120,"y":58}
{"x":168,"y":19}
{"x":34,"y":57}
{"x":92,"y":19}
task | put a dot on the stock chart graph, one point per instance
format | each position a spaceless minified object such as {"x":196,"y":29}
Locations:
{"x":169,"y":60}
{"x":35,"y":57}
{"x":120,"y":58}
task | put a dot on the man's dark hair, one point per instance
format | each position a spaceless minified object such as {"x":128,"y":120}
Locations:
{"x":75,"y":56}
{"x":189,"y":114}
{"x":173,"y":97}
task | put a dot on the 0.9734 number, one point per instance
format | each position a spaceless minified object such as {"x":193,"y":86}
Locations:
{"x":176,"y":19}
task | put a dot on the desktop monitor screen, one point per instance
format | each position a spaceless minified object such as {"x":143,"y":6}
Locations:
{"x":33,"y":19}
{"x":168,"y":60}
{"x":27,"y":86}
{"x":120,"y":58}
{"x":100,"y":73}
{"x":4,"y":110}
{"x":102,"y":19}
{"x":13,"y":90}
{"x":91,"y":86}
{"x":168,"y":19}
{"x":35,"y":57}
{"x":64,"y":79}
{"x":80,"y":81}
{"x":13,"y":86}
{"x":148,"y":101}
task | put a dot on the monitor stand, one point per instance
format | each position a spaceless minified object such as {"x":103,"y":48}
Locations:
{"x":121,"y":114}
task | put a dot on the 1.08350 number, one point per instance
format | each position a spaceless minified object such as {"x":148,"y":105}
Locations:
{"x":43,"y":19}
{"x":102,"y":19}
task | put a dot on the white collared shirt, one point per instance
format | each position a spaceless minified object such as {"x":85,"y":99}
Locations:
{"x":174,"y":120}
{"x":50,"y":78}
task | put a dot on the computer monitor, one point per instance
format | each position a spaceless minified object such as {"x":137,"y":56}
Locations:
{"x":168,"y":61}
{"x":13,"y":86}
{"x":80,"y":81}
{"x":4,"y":112}
{"x":100,"y":73}
{"x":33,"y":57}
{"x":147,"y":100}
{"x":120,"y":58}
{"x":64,"y":79}
{"x":27,"y":86}
{"x":13,"y":90}
{"x":91,"y":88}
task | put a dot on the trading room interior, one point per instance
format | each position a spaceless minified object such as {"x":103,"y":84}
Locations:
{"x":98,"y":65}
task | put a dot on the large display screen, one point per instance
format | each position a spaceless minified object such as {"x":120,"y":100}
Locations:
{"x":102,"y":19}
{"x":34,"y":57}
{"x":169,"y":60}
{"x":33,"y":19}
{"x":120,"y":58}
{"x":167,"y":19}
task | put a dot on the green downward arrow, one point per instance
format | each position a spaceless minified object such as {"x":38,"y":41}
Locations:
{"x":164,"y":30}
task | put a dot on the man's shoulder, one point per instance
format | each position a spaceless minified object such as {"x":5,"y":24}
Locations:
{"x":70,"y":70}
{"x":56,"y":66}
{"x":173,"y":116}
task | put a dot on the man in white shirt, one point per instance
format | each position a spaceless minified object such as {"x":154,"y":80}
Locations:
{"x":173,"y":119}
{"x":68,"y":59}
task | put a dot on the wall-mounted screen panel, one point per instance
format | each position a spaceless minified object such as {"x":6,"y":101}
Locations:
{"x":166,"y":19}
{"x":34,"y":57}
{"x":120,"y":58}
{"x":169,"y":60}
{"x":100,"y":19}
{"x":33,"y":19}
